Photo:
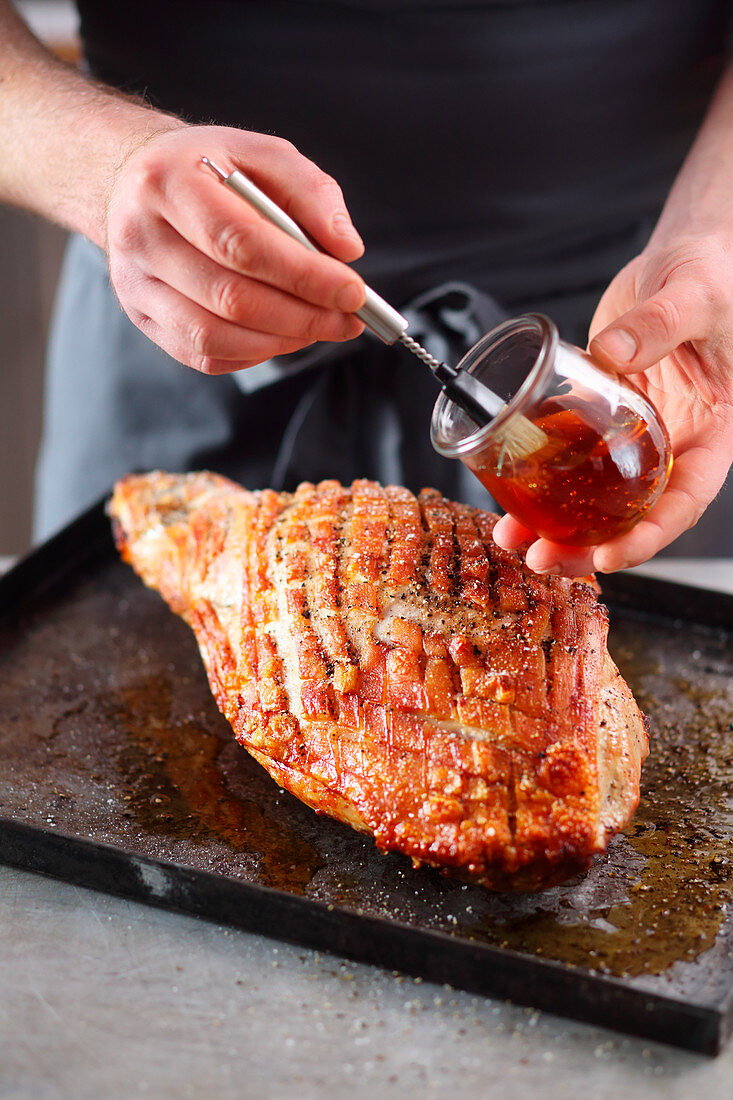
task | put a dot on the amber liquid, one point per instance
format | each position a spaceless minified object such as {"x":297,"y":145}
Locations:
{"x":581,"y":487}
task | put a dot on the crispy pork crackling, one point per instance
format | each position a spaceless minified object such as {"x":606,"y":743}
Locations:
{"x":390,"y":666}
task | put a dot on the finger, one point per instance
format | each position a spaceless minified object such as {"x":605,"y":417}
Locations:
{"x":696,"y":477}
{"x":510,"y":534}
{"x":197,"y":338}
{"x":542,"y":556}
{"x":169,"y":258}
{"x":654,"y":328}
{"x":223,"y":227}
{"x":545,"y":556}
{"x":242,"y":241}
{"x":310,"y":196}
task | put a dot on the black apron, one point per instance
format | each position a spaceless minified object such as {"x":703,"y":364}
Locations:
{"x":496,"y":158}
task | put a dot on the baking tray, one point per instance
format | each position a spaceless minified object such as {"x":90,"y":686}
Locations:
{"x":118,"y":773}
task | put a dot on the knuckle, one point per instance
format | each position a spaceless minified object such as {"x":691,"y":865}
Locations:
{"x":282,"y":347}
{"x":233,"y":245}
{"x":141,"y":321}
{"x":327,"y":191}
{"x":147,"y":174}
{"x":692,"y":509}
{"x":198,"y":339}
{"x":326,"y":184}
{"x":126,"y":235}
{"x":284,"y":147}
{"x":663,"y":317}
{"x":229,"y":299}
{"x":353,"y":328}
{"x":303,"y":284}
{"x":251,"y":144}
{"x":695,"y":515}
{"x":315,"y":327}
{"x":204,"y":364}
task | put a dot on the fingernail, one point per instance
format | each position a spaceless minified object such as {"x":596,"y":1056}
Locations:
{"x":349,"y":298}
{"x":554,"y":570}
{"x":617,"y":568}
{"x":609,"y":567}
{"x":618,"y":344}
{"x":343,"y":225}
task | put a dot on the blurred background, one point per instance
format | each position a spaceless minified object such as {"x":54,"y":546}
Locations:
{"x":30,"y":257}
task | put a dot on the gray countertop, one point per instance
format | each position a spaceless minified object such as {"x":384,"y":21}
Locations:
{"x":109,"y":998}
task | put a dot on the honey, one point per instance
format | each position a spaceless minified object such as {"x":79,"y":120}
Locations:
{"x":577,"y":454}
{"x":582,"y":487}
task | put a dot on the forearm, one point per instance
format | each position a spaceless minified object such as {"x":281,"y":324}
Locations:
{"x":63,"y":136}
{"x":701,"y":200}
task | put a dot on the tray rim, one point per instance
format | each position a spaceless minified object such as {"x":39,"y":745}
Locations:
{"x":385,"y":942}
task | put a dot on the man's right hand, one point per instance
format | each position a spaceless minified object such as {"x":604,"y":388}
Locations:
{"x":205,"y":276}
{"x":196,"y":269}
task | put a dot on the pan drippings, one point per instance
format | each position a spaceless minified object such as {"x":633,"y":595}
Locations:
{"x":663,"y":894}
{"x":176,"y":781}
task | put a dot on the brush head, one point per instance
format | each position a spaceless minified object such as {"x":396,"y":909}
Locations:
{"x":519,"y":436}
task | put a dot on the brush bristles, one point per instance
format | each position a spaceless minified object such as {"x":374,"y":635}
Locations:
{"x":519,"y":437}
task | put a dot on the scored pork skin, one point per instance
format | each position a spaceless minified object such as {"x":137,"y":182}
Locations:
{"x":391,"y":666}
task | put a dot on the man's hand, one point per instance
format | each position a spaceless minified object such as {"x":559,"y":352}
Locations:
{"x":666,"y":320}
{"x":204,"y":275}
{"x":199,"y":271}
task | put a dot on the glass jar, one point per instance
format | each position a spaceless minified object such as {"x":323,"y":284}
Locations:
{"x":577,"y":454}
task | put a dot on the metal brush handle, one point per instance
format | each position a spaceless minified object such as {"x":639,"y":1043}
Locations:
{"x":378,"y":315}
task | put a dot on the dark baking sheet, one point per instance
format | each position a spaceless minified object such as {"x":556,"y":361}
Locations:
{"x":119,"y":773}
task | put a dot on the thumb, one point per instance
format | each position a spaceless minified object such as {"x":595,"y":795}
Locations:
{"x":653,"y":329}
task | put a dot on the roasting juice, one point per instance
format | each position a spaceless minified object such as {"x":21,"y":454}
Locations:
{"x":580,"y":487}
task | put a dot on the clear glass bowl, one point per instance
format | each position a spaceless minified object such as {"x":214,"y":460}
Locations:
{"x":578,"y":454}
